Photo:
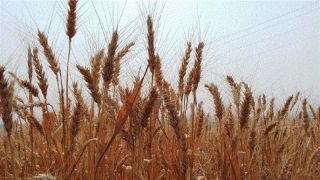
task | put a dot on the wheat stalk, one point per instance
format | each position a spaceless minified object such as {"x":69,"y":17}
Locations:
{"x":71,"y":31}
{"x":122,"y":116}
{"x":174,"y":121}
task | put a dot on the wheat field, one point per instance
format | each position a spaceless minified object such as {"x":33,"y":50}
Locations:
{"x":151,"y":130}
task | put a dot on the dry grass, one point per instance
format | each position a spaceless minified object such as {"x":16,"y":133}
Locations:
{"x":126,"y":134}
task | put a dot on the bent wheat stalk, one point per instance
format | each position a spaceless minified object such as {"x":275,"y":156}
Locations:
{"x":123,"y":114}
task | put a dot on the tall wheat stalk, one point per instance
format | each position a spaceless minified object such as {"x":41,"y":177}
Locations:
{"x":71,"y":31}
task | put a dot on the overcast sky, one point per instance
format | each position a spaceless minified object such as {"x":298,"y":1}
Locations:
{"x":272,"y":45}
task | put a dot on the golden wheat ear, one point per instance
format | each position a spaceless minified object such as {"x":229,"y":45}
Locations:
{"x":108,"y":66}
{"x":183,"y":69}
{"x":53,"y":62}
{"x":6,"y":94}
{"x":285,"y":109}
{"x":235,"y":89}
{"x":71,"y":19}
{"x":151,"y":46}
{"x":29,"y":62}
{"x":200,"y":119}
{"x":148,"y":107}
{"x":42,"y":80}
{"x":117,"y":59}
{"x":245,"y":110}
{"x":197,"y":66}
{"x":218,"y":103}
{"x":96,"y":63}
{"x":91,"y":83}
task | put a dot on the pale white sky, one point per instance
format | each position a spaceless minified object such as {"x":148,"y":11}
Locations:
{"x":272,"y":45}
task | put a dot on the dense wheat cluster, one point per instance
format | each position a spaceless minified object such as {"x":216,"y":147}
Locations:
{"x":150,"y":130}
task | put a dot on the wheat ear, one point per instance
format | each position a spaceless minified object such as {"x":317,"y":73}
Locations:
{"x":183,"y":69}
{"x":219,"y":107}
{"x":108,"y":66}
